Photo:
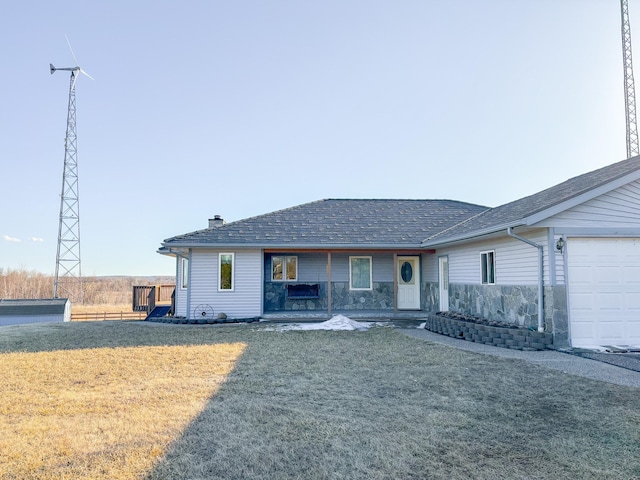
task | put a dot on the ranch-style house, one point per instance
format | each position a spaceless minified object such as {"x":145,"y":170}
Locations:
{"x":565,"y":260}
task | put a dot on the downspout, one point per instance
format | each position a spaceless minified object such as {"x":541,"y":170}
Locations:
{"x":540,"y":276}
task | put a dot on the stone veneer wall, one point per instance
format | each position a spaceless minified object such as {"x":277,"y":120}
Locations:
{"x":430,"y":297}
{"x":379,"y":298}
{"x":275,"y":298}
{"x":555,"y":309}
{"x":516,"y":304}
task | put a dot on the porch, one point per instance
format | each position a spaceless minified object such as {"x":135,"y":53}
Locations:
{"x":357,"y":283}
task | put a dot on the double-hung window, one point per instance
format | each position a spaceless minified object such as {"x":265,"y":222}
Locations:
{"x":360,"y":273}
{"x":226,"y":272}
{"x":284,"y":268}
{"x":488,"y":267}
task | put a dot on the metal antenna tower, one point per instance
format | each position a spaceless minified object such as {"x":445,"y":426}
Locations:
{"x":68,"y":276}
{"x":629,"y":86}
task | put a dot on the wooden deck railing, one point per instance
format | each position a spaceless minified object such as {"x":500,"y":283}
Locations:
{"x":145,"y":297}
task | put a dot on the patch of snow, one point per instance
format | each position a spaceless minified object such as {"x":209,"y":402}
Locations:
{"x":337,"y":322}
{"x":422,"y":325}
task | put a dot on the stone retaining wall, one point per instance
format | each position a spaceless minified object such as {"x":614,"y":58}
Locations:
{"x":515,"y":338}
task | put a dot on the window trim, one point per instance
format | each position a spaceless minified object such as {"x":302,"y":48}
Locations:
{"x":488,"y":269}
{"x":233,"y":268}
{"x":285,"y":269}
{"x":184,"y":267}
{"x":370,"y":258}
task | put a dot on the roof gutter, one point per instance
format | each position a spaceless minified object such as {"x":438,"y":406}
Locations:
{"x":540,"y":275}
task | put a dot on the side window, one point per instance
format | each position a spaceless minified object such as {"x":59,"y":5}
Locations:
{"x":185,"y":273}
{"x":488,"y":267}
{"x":284,"y":268}
{"x":360,"y":274}
{"x":226,"y":266}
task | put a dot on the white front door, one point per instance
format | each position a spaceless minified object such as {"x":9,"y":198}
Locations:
{"x":408,"y":283}
{"x":443,"y":278}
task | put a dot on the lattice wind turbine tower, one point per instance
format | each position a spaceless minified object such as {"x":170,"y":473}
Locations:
{"x":68,"y":274}
{"x":629,"y":85}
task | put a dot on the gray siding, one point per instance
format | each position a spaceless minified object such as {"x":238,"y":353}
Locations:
{"x":616,"y":209}
{"x":516,"y":261}
{"x":312,"y":267}
{"x":429,"y":271}
{"x":246,"y":298}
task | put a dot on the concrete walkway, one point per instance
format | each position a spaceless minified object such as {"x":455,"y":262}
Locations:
{"x":564,"y":362}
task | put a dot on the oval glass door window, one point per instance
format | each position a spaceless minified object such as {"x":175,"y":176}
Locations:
{"x":406,"y":272}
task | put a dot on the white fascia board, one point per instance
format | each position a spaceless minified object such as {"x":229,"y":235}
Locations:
{"x":579,"y":199}
{"x":598,"y":232}
{"x":172,"y":251}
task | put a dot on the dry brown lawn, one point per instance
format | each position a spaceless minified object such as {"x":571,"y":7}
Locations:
{"x":102,"y":412}
{"x":146,"y":401}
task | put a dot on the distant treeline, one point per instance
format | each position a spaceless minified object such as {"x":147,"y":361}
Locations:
{"x":116,"y":290}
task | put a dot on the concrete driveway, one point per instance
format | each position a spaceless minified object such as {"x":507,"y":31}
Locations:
{"x":617,"y":368}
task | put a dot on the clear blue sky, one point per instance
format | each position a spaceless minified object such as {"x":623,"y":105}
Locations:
{"x":240,"y":108}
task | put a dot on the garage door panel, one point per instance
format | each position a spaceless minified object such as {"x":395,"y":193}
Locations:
{"x":582,"y":332}
{"x":634,"y":332}
{"x":581,"y":302}
{"x":632,"y":302}
{"x":631,"y":273}
{"x":604,"y":291}
{"x":609,"y":301}
{"x":606,"y":275}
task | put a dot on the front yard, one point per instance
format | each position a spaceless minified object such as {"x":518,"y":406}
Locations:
{"x":155,"y":401}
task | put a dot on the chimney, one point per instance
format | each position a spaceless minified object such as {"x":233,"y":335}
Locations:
{"x":216,"y":222}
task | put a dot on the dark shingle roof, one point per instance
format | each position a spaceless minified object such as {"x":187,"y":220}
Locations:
{"x":47,"y":306}
{"x":337,"y":223}
{"x":515,"y":213}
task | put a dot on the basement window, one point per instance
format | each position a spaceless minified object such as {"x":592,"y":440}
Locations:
{"x":488,"y":266}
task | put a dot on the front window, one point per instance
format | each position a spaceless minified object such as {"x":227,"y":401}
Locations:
{"x":284,"y":268}
{"x":488,"y":265}
{"x":225,"y":271}
{"x":360,"y":274}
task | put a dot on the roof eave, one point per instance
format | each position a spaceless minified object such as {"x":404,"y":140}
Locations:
{"x":167,"y":249}
{"x":472,"y":235}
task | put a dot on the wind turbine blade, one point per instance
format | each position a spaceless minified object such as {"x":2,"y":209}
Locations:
{"x":73,"y":54}
{"x":88,"y":75}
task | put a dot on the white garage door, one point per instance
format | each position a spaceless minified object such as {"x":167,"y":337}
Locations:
{"x":604,"y":291}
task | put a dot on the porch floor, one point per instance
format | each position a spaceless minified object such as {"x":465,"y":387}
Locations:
{"x":321,"y":316}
